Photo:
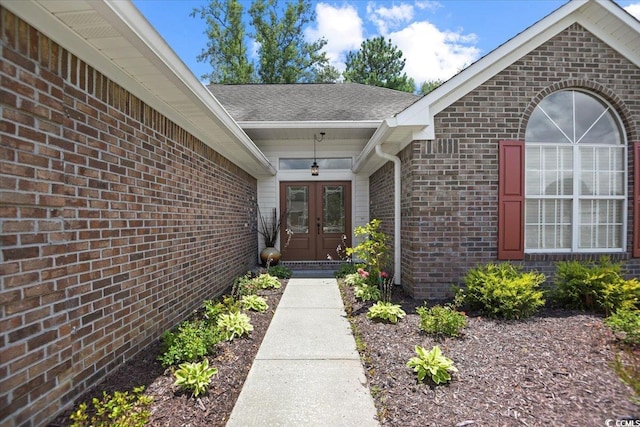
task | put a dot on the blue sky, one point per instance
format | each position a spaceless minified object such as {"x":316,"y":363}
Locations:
{"x":438,"y":38}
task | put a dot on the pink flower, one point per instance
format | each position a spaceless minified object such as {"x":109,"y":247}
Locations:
{"x":384,"y":274}
{"x":363,"y":273}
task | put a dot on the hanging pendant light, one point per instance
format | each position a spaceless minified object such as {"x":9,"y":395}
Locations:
{"x":315,"y":168}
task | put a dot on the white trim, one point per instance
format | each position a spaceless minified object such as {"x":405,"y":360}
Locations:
{"x":336,"y":124}
{"x":205,"y":118}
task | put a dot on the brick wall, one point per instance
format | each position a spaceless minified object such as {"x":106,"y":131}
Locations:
{"x":115,"y":223}
{"x":450,"y":223}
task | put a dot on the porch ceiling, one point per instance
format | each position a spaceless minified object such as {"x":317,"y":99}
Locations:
{"x":306,"y":134}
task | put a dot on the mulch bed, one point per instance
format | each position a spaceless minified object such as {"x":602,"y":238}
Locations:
{"x":551,"y":369}
{"x":170,"y":407}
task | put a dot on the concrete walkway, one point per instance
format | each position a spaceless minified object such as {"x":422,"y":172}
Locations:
{"x":307,"y":371}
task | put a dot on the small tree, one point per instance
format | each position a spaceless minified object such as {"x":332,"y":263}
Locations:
{"x":374,"y":250}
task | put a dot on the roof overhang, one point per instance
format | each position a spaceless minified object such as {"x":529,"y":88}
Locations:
{"x":603,"y":18}
{"x":116,"y":39}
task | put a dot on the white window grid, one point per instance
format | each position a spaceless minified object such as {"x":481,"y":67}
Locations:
{"x":596,"y":219}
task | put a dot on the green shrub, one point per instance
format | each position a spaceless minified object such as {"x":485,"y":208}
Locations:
{"x":620,"y":294}
{"x":581,"y":284}
{"x":354,"y":279}
{"x":213,"y":309}
{"x":626,"y":322}
{"x":280,"y":271}
{"x":123,"y":409}
{"x":191,"y":341}
{"x":255,"y":303}
{"x":266,"y":281}
{"x":195,"y":377}
{"x":386,"y":311}
{"x":439,"y":320}
{"x":366,"y":292}
{"x":243,"y":285}
{"x":432,"y":364}
{"x":234,"y":325}
{"x":345,"y":269}
{"x":503,"y":290}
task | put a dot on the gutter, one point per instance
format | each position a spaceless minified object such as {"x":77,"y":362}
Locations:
{"x":397,"y":264}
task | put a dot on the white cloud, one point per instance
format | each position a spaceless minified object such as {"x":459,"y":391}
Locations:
{"x":430,"y":53}
{"x":341,"y":27}
{"x":389,"y":18}
{"x":428,"y":5}
{"x":434,"y":54}
{"x":634,"y":9}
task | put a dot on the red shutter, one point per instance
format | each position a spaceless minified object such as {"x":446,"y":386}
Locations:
{"x":511,"y":201}
{"x":636,"y":200}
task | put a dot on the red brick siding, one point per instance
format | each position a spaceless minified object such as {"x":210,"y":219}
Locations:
{"x":451,"y":222}
{"x":114,"y":224}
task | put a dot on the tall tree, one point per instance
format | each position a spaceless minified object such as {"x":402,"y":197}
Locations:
{"x":378,"y":63}
{"x":284,"y":55}
{"x":226,"y":49}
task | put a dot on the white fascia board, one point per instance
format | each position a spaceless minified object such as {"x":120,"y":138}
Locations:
{"x":39,"y":17}
{"x":137,"y":23}
{"x":334,"y":124}
{"x":423,"y":111}
{"x":378,"y":137}
{"x":624,"y":17}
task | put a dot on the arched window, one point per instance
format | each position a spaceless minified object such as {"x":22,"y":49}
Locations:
{"x":575,"y":176}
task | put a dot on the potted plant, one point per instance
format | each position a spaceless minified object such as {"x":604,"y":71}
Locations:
{"x":269,"y":230}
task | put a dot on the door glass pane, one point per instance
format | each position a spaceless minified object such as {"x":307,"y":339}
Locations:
{"x":333,"y":204}
{"x":298,"y":209}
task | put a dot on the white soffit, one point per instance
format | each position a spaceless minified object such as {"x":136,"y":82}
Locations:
{"x":114,"y":38}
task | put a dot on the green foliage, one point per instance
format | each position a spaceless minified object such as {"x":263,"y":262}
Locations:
{"x":345,"y":269}
{"x":429,"y":86}
{"x":192,"y":340}
{"x":581,"y":284}
{"x":503,"y":290}
{"x":433,"y":364}
{"x":354,"y":279}
{"x":625,"y":322}
{"x":628,"y":370}
{"x":374,"y":250}
{"x":243,"y":285}
{"x":213,"y":309}
{"x":378,"y":63}
{"x":386,"y":311}
{"x":227,"y":42}
{"x":441,"y":321}
{"x":255,"y":303}
{"x":284,"y":54}
{"x":233,"y":325}
{"x":620,"y":294}
{"x":366,"y":292}
{"x":123,"y":409}
{"x":266,"y":281}
{"x":280,"y":271}
{"x":195,"y":377}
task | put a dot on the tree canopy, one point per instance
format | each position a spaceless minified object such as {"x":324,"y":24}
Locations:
{"x":283,"y":54}
{"x":378,"y":63}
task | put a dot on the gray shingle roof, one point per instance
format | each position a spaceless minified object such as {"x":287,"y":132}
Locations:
{"x":310,"y":102}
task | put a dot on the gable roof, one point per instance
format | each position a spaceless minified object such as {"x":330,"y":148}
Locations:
{"x":310,"y":102}
{"x":603,"y":18}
